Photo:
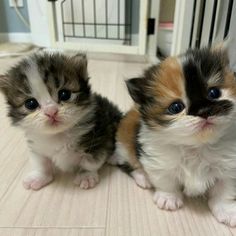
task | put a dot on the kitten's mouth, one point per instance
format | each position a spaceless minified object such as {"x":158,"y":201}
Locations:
{"x":206,"y":124}
{"x":54,"y":121}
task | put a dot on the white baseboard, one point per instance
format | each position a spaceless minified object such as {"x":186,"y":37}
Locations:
{"x":16,"y":37}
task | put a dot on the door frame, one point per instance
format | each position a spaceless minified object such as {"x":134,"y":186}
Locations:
{"x":182,"y":27}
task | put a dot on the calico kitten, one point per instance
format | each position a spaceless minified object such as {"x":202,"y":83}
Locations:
{"x":66,"y":125}
{"x":180,"y":138}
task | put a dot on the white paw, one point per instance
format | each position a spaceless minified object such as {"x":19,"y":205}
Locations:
{"x":168,"y":201}
{"x":86,"y":180}
{"x":36,"y":180}
{"x":141,"y":178}
{"x":225,"y":213}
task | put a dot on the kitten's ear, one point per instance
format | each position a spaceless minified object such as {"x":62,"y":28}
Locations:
{"x":81,"y":62}
{"x":222,"y":46}
{"x":136,"y":88}
{"x":222,"y":50}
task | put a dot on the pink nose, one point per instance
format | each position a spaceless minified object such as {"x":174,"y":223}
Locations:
{"x":51,"y":111}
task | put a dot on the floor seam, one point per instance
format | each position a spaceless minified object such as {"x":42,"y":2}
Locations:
{"x":108,"y":201}
{"x":13,"y":180}
{"x":52,"y":227}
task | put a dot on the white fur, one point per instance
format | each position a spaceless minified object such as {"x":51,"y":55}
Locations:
{"x":183,"y":155}
{"x":141,"y":178}
{"x":121,"y":155}
{"x":168,"y":201}
{"x":195,"y":167}
{"x":41,"y":173}
{"x":38,"y":88}
{"x":59,"y":150}
{"x":87,"y":179}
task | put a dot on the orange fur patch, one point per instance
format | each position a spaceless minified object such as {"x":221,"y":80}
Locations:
{"x":229,"y":82}
{"x":126,"y":135}
{"x":168,"y":86}
{"x":169,"y":82}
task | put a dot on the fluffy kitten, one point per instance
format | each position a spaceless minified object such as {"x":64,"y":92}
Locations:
{"x":182,"y":132}
{"x":66,"y":125}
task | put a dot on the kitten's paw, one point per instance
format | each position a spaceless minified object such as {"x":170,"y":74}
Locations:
{"x":36,"y":180}
{"x":225,"y":213}
{"x":168,"y":201}
{"x":86,"y":180}
{"x":141,"y":179}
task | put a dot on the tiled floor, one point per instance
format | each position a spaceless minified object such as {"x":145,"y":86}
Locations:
{"x":116,"y":207}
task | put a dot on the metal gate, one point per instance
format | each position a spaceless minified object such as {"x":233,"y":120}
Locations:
{"x":99,"y":25}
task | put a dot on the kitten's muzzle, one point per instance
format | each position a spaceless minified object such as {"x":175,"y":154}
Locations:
{"x":206,"y":123}
{"x":52,"y":113}
{"x":205,"y":109}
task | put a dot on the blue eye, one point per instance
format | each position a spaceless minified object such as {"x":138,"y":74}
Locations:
{"x":31,"y":104}
{"x":175,"y":108}
{"x":214,"y":93}
{"x":64,"y":95}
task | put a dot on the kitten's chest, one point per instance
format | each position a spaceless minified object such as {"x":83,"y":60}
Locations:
{"x":196,"y":169}
{"x":61,"y":149}
{"x":50,"y":146}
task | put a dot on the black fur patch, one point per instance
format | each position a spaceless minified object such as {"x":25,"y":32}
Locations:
{"x":126,"y":167}
{"x":56,"y":81}
{"x":138,"y":146}
{"x":206,"y":108}
{"x":16,"y":89}
{"x":84,"y":92}
{"x":137,"y":89}
{"x":196,"y":82}
{"x":199,"y":67}
{"x":16,"y":115}
{"x":101,"y":138}
{"x":46,"y":74}
{"x":209,"y":62}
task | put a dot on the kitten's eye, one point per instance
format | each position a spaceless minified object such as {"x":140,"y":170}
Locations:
{"x":214,"y":93}
{"x":176,"y":108}
{"x":64,"y":95}
{"x":31,"y":104}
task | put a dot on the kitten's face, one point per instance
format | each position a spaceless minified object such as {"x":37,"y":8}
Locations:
{"x":47,"y":93}
{"x":190,"y":99}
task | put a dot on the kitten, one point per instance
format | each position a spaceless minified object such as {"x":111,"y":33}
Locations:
{"x":66,"y":125}
{"x":180,"y":138}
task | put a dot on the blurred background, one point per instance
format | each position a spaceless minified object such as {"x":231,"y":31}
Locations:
{"x":149,"y":29}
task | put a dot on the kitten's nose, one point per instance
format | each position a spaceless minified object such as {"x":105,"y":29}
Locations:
{"x":51,"y":111}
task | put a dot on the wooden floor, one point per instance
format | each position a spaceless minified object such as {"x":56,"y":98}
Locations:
{"x":116,"y":207}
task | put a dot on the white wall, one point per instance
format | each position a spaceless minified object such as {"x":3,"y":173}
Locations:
{"x":38,"y":21}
